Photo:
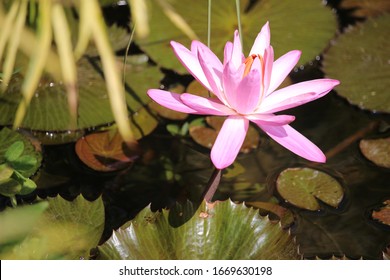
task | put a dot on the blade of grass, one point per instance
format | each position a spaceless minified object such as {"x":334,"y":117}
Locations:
{"x":6,"y":25}
{"x":110,"y":69}
{"x":38,"y":61}
{"x":63,"y":41}
{"x":13,"y":45}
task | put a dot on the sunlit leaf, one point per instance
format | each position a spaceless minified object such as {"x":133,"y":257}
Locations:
{"x":366,"y":8}
{"x":221,"y":231}
{"x":5,"y":172}
{"x":14,"y":151}
{"x":17,"y":223}
{"x":303,"y":186}
{"x":286,"y":20}
{"x":376,"y":150}
{"x":383,"y":214}
{"x":67,"y":230}
{"x":10,"y":187}
{"x":102,"y":153}
{"x":359,"y":58}
{"x":25,"y":159}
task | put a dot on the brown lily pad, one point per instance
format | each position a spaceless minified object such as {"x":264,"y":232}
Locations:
{"x":303,"y":187}
{"x":206,"y":136}
{"x":383,"y":215}
{"x":377,"y":151}
{"x":366,"y":8}
{"x":104,"y":152}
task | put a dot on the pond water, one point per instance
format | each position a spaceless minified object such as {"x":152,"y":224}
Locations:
{"x":175,"y":168}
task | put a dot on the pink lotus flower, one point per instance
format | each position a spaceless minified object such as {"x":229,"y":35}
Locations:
{"x":245,"y":89}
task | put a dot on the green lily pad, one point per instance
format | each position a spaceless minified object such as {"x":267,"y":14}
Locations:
{"x":286,"y":20}
{"x":303,"y":186}
{"x":67,"y":230}
{"x":48,"y":110}
{"x":223,"y":230}
{"x":360,"y":60}
{"x":366,"y":8}
{"x":23,"y":156}
{"x":206,"y":136}
{"x":17,"y":223}
{"x":376,"y":150}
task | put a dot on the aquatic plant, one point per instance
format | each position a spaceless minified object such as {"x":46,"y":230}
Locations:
{"x":246,"y":90}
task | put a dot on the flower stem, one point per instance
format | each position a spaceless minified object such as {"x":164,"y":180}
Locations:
{"x":209,"y":24}
{"x":212,"y":185}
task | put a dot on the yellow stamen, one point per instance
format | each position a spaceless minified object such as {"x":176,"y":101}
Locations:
{"x":249,"y":61}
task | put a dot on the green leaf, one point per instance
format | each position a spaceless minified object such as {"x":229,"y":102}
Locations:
{"x":17,"y":223}
{"x":5,"y":172}
{"x":67,"y":230}
{"x":9,"y":187}
{"x":49,"y":111}
{"x":376,"y":150}
{"x":28,"y":187}
{"x":24,"y":163}
{"x":360,"y":60}
{"x":28,"y":162}
{"x":14,"y":151}
{"x":223,"y":230}
{"x":286,"y":21}
{"x":303,"y":186}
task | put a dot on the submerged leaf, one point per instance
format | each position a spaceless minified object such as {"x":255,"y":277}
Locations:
{"x":360,"y":60}
{"x":303,"y":186}
{"x":223,"y":230}
{"x":377,"y":151}
{"x":102,"y":153}
{"x":383,"y":215}
{"x":366,"y":8}
{"x":206,"y":136}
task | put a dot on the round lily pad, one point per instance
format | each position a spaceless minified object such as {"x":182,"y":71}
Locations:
{"x":366,"y":8}
{"x":223,"y":230}
{"x":206,"y":136}
{"x":286,"y":20}
{"x":49,"y":111}
{"x":104,"y":152}
{"x":303,"y":187}
{"x":376,"y":150}
{"x":359,"y":58}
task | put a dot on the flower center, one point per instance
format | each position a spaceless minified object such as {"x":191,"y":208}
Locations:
{"x":249,"y":61}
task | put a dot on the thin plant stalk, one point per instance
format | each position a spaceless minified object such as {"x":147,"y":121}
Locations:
{"x":38,"y":61}
{"x":13,"y":44}
{"x":7,"y":24}
{"x":209,"y":24}
{"x":177,"y":19}
{"x":126,"y":54}
{"x":239,"y":21}
{"x":139,"y":15}
{"x":63,"y":41}
{"x":110,"y":68}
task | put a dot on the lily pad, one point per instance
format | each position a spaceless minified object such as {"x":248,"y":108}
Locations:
{"x":223,"y":230}
{"x":383,"y":214}
{"x":22,"y":155}
{"x":376,"y":150}
{"x":360,"y":60}
{"x":366,"y":8}
{"x":104,"y":152}
{"x":67,"y":230}
{"x":49,"y":111}
{"x":286,"y":20}
{"x":303,"y":186}
{"x":206,"y":136}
